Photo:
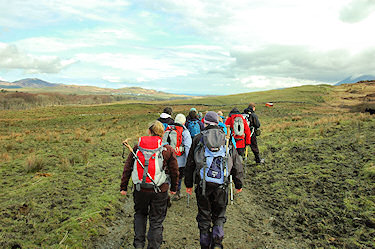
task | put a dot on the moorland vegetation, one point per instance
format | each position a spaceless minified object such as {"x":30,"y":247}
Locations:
{"x":61,"y":167}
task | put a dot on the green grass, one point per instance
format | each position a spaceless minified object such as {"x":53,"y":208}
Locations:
{"x":318,"y":181}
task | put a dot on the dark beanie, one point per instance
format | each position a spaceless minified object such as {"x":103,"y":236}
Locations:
{"x":168,"y":110}
{"x":211,"y":118}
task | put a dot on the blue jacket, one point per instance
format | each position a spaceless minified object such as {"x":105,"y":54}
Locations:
{"x":222,"y":125}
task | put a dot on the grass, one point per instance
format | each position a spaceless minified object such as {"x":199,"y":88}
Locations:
{"x":61,"y":168}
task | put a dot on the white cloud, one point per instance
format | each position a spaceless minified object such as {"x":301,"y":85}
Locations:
{"x":19,"y":13}
{"x":89,"y":38}
{"x":357,"y":10}
{"x":12,"y":58}
{"x":303,"y":63}
{"x":253,"y":43}
{"x":134,"y":66}
{"x":258,"y":82}
{"x":112,"y":78}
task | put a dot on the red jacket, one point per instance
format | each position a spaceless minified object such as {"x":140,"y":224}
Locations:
{"x":241,"y":141}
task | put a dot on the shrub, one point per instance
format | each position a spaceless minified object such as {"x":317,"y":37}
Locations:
{"x":34,"y":163}
{"x":4,"y":157}
{"x":65,"y":164}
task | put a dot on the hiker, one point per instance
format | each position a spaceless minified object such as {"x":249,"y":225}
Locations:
{"x":185,"y":138}
{"x":166,"y":117}
{"x":150,"y":195}
{"x":209,"y":148}
{"x":221,"y":115}
{"x":239,"y":129}
{"x":224,"y":128}
{"x":193,"y":123}
{"x":254,"y":125}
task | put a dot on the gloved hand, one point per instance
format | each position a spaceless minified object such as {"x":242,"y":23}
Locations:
{"x":123,"y":192}
{"x":238,"y":190}
{"x":189,"y":190}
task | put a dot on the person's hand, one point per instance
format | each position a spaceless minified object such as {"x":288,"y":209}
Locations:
{"x":189,"y":190}
{"x":172,"y":193}
{"x":123,"y":192}
{"x":238,"y":190}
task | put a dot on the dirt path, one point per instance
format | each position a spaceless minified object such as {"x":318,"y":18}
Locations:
{"x":248,"y":226}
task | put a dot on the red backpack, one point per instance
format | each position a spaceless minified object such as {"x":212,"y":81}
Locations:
{"x":238,"y":126}
{"x":149,"y":153}
{"x":173,"y":137}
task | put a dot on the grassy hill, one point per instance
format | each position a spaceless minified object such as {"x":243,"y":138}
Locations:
{"x":31,"y":93}
{"x":84,"y":90}
{"x":61,"y":167}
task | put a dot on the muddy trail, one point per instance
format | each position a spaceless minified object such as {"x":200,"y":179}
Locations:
{"x":248,"y":225}
{"x":315,"y":190}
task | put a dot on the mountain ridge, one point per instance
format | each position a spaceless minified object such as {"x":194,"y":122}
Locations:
{"x":37,"y":85}
{"x":352,"y":79}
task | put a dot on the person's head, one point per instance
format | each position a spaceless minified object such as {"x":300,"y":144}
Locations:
{"x":252,"y":106}
{"x":156,"y":128}
{"x":180,"y":119}
{"x":193,"y":114}
{"x":234,"y":110}
{"x":168,"y":110}
{"x":220,"y":113}
{"x":211,"y":118}
{"x":193,"y":109}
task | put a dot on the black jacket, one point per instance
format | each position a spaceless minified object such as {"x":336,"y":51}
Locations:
{"x":190,"y":168}
{"x":168,"y":121}
{"x":254,"y":121}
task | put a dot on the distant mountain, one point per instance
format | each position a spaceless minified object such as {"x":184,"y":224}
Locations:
{"x":353,"y":79}
{"x":33,"y":83}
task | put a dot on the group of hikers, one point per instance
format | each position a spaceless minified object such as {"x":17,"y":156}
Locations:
{"x":205,"y":150}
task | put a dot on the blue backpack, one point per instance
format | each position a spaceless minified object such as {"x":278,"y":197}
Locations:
{"x":165,"y":125}
{"x":194,"y":128}
{"x":214,"y":169}
{"x":211,"y":158}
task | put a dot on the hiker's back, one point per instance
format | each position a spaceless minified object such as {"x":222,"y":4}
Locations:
{"x":148,"y":171}
{"x":173,"y":137}
{"x":194,"y":127}
{"x":210,"y":156}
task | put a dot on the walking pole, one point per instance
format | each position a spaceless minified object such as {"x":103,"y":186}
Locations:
{"x":226,"y":171}
{"x":246,"y":152}
{"x":231,"y":190}
{"x":188,"y":200}
{"x":140,"y":163}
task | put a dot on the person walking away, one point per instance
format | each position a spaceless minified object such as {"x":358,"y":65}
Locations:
{"x":159,"y":163}
{"x":239,"y":130}
{"x":166,"y":117}
{"x":224,"y":128}
{"x":210,"y":164}
{"x":221,"y":115}
{"x":186,"y":144}
{"x":193,"y":123}
{"x":254,"y":124}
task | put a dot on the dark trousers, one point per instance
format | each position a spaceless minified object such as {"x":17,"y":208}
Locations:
{"x":254,"y":148}
{"x":211,"y":214}
{"x":153,"y":205}
{"x":181,"y":176}
{"x":241,"y":151}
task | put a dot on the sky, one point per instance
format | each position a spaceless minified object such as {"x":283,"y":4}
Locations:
{"x":192,"y":47}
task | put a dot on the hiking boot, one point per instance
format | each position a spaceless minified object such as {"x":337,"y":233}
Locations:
{"x":177,"y":196}
{"x":169,"y":203}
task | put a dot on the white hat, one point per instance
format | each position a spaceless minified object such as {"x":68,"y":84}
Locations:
{"x":180,"y":118}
